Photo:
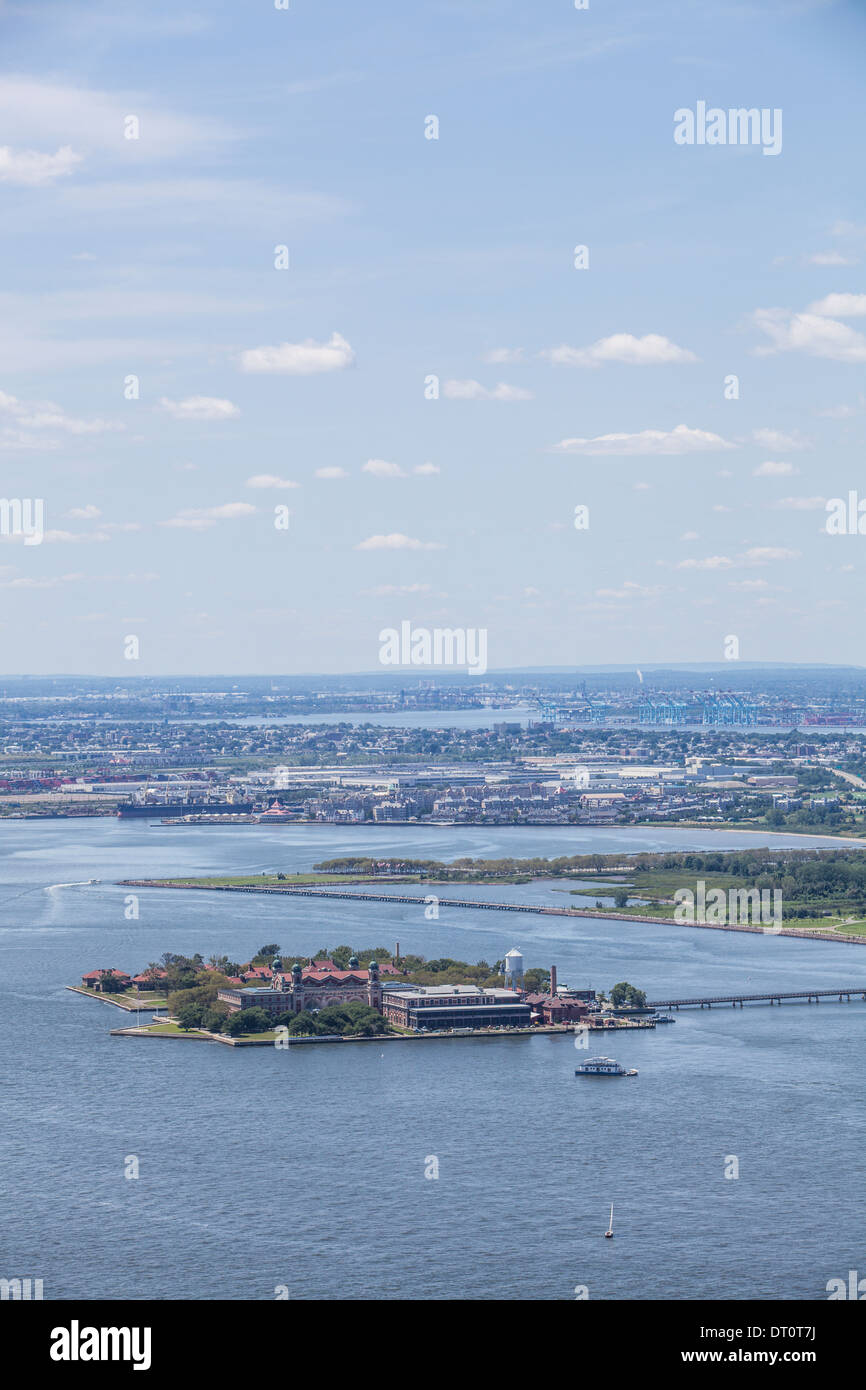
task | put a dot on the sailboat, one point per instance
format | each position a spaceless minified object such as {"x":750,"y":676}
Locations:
{"x":608,"y":1235}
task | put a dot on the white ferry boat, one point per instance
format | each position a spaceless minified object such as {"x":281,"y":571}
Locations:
{"x":602,"y":1066}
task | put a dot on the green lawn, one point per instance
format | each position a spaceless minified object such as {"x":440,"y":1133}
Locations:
{"x":288,"y":881}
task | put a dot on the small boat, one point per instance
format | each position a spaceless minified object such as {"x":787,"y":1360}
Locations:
{"x":602,"y":1066}
{"x":664,"y":1018}
{"x":608,"y":1235}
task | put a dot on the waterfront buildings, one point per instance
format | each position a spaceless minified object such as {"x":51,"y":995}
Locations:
{"x":310,"y":987}
{"x":435,"y":1007}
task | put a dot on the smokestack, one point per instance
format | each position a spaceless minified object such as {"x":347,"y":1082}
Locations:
{"x":553,"y":982}
{"x":397,"y":953}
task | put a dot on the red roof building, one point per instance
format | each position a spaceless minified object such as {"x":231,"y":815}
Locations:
{"x":93,"y":978}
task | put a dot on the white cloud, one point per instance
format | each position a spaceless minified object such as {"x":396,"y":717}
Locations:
{"x":680,"y":440}
{"x":831,"y":258}
{"x":426,"y":470}
{"x":800,"y":504}
{"x":202,"y":518}
{"x":380,"y":468}
{"x":748,"y":586}
{"x":32,"y":168}
{"x":710,"y":562}
{"x":777,"y":439}
{"x":74,"y":537}
{"x":200,"y":408}
{"x":653,"y":350}
{"x":810,"y":333}
{"x":840,"y":306}
{"x":43,"y":415}
{"x":498,"y":357}
{"x":469,"y":390}
{"x":27,"y":582}
{"x":690,"y":536}
{"x":397,"y":541}
{"x":300,"y":359}
{"x":330,"y":473}
{"x":189,"y":523}
{"x":771,"y":469}
{"x":270,"y":480}
{"x":630,"y":590}
{"x":94,"y":120}
{"x":88,"y":513}
{"x":838,"y":412}
{"x":763,"y":554}
{"x":392,"y":590}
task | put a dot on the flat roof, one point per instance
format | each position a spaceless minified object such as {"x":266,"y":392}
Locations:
{"x":452,"y":991}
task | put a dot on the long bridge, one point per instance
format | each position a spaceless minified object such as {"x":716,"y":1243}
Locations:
{"x":773,"y":996}
{"x":290,"y":890}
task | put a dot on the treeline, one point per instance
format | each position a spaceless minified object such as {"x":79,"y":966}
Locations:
{"x":817,"y":872}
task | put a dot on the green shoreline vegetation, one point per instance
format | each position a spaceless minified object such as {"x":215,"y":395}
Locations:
{"x":823,"y":889}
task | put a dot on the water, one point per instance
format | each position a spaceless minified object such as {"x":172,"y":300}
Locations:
{"x":305,"y":1168}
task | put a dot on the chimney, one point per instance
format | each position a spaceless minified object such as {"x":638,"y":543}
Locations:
{"x":397,"y":953}
{"x":553,"y":982}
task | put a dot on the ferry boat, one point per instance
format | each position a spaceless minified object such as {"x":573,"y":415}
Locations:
{"x":602,"y":1066}
{"x":663,"y":1018}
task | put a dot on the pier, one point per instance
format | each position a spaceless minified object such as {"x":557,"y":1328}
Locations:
{"x":773,"y":996}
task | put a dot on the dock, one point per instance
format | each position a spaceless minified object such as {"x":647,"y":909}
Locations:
{"x":773,"y":996}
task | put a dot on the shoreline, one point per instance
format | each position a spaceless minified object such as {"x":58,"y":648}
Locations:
{"x":198,"y":1035}
{"x":125,"y":1004}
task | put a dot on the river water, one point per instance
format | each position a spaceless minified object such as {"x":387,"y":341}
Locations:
{"x":305,"y":1169}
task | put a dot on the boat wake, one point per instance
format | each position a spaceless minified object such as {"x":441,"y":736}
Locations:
{"x":79,"y":883}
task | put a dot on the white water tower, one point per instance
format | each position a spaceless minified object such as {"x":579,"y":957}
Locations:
{"x":514,"y":969}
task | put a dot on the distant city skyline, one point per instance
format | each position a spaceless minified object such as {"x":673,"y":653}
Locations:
{"x":315,"y":324}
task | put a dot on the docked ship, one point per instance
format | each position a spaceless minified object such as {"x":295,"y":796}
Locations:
{"x":602,"y":1066}
{"x":179,"y":809}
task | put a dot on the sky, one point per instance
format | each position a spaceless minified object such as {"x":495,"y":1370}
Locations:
{"x":283,"y":371}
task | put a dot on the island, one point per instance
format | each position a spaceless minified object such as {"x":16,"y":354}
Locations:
{"x":277,"y":999}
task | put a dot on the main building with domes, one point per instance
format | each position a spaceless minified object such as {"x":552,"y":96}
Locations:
{"x":312,"y":986}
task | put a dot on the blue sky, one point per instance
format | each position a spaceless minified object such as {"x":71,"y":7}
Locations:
{"x":409,"y":257}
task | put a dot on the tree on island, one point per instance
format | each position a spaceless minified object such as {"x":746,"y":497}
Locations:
{"x":536,"y":980}
{"x":248,"y":1021}
{"x":109,"y":983}
{"x":188,"y":1016}
{"x":303,"y":1023}
{"x":625,"y":995}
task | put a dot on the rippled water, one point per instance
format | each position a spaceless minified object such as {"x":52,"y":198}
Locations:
{"x":305,"y":1167}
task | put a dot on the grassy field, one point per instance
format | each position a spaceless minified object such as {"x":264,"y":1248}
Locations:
{"x":287,"y":881}
{"x":659,"y":885}
{"x":172,"y":1030}
{"x":126,"y":999}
